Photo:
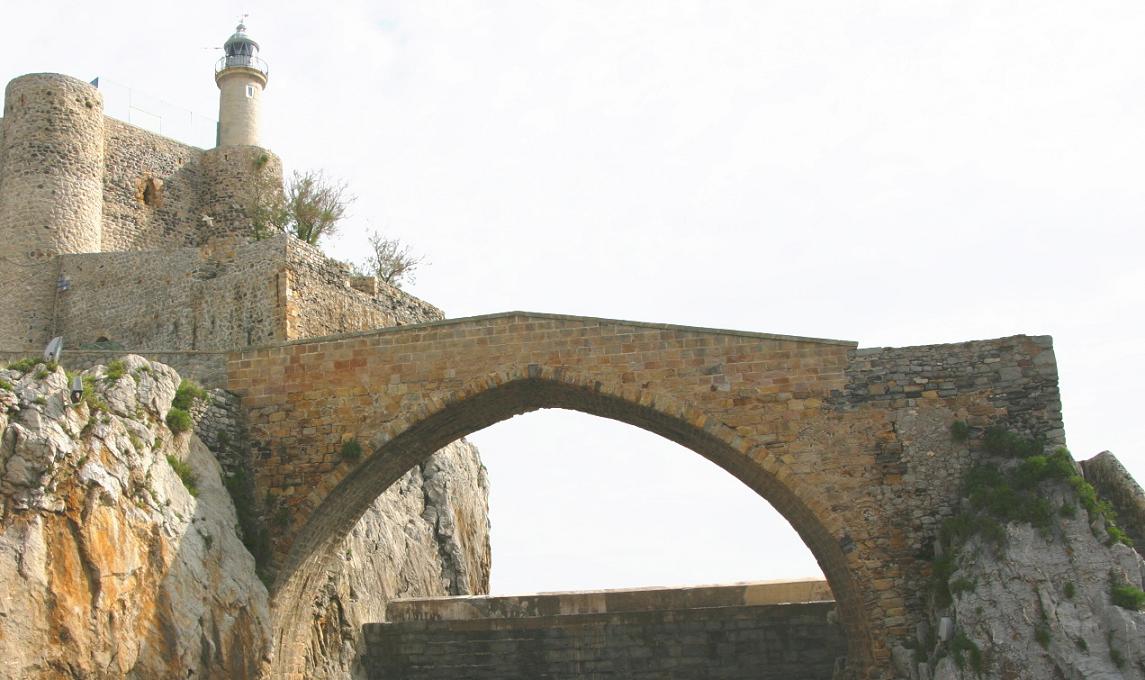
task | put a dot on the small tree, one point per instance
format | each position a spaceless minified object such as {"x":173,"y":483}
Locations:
{"x":390,"y":260}
{"x":310,"y":207}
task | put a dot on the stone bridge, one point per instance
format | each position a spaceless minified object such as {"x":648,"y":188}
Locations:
{"x":852,"y":446}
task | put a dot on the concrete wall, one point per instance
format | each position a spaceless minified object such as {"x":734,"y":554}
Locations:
{"x":740,"y":631}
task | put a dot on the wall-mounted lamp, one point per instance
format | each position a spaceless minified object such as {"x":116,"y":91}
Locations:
{"x":77,"y":389}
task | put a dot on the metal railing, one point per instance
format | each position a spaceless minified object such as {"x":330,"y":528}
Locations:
{"x":241,"y":61}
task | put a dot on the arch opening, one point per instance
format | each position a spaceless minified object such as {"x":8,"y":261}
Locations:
{"x":388,"y":458}
{"x":582,"y":503}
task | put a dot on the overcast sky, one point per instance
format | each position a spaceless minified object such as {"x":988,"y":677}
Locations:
{"x":894,"y":173}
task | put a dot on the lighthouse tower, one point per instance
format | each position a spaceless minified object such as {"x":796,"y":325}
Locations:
{"x":241,"y":77}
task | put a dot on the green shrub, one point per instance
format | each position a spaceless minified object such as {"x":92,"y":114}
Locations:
{"x":1042,"y":635}
{"x":961,"y":645}
{"x":186,"y":395}
{"x":1069,"y":589}
{"x":179,"y":420}
{"x":1006,"y":444}
{"x":959,"y":431}
{"x":351,"y":450}
{"x":1116,"y":657}
{"x":23,"y":365}
{"x":5,"y":385}
{"x":942,"y":568}
{"x":962,"y":585}
{"x":251,"y":529}
{"x":186,"y":474}
{"x":1127,"y":596}
{"x":115,"y":370}
{"x":1116,"y":535}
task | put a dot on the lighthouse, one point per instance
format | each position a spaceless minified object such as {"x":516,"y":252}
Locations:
{"x":241,"y":76}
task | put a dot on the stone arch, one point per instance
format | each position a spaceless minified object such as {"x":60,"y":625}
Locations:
{"x":396,"y":445}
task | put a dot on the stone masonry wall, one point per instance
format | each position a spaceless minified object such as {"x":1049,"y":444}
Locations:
{"x":73,"y":181}
{"x":151,"y":190}
{"x":213,"y":298}
{"x":321,"y":300}
{"x":853,"y":447}
{"x":920,"y":472}
{"x":226,"y":294}
{"x":707,"y":632}
{"x":235,"y":180}
{"x":50,"y":194}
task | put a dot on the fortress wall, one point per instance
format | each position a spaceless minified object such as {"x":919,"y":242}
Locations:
{"x":322,"y":300}
{"x":224,"y":295}
{"x":50,"y":194}
{"x":1006,"y":381}
{"x":166,"y":216}
{"x":212,"y":298}
{"x":232,"y":178}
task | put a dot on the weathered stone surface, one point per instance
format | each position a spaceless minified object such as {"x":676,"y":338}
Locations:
{"x":110,"y":567}
{"x":705,"y":632}
{"x":852,"y":446}
{"x":426,"y":535}
{"x":1040,"y":606}
{"x":1116,"y":485}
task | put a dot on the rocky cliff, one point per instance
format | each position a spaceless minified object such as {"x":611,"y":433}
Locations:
{"x":120,"y":549}
{"x":112,"y":564}
{"x":426,"y":535}
{"x":1033,"y":579}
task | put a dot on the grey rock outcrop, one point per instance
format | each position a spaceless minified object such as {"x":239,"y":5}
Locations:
{"x":426,"y":535}
{"x":1037,"y":605}
{"x":110,"y":566}
{"x":1114,"y":482}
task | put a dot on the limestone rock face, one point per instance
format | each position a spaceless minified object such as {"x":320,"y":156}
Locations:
{"x":109,"y":566}
{"x":426,"y":535}
{"x":1040,"y":607}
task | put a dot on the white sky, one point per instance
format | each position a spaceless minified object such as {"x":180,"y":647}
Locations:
{"x":893,"y":172}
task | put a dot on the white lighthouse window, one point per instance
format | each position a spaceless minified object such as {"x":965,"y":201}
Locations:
{"x":249,"y":91}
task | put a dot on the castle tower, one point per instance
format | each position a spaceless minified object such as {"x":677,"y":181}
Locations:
{"x":241,"y":77}
{"x":51,"y":195}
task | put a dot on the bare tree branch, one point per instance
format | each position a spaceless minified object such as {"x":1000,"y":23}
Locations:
{"x":390,"y":260}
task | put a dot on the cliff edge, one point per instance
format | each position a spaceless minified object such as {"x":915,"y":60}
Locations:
{"x":120,"y":548}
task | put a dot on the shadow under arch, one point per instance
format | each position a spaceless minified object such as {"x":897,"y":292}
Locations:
{"x":476,"y":407}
